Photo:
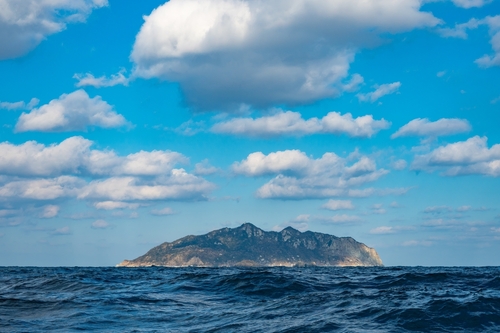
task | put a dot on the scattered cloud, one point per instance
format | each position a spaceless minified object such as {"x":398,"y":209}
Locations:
{"x":100,"y":224}
{"x":461,"y":158}
{"x":292,"y":123}
{"x":163,"y":211}
{"x":87,"y":215}
{"x":8,"y":212}
{"x":338,"y":205}
{"x":62,"y":231}
{"x":354,"y":84}
{"x":383,"y":230}
{"x":112,"y":205}
{"x":204,"y":168}
{"x":191,"y":127}
{"x":442,"y":223}
{"x":495,"y":100}
{"x":433,"y":129}
{"x":299,"y":176}
{"x":486,"y":61}
{"x":437,"y":209}
{"x":399,"y":165}
{"x":379,"y":92}
{"x":378,"y":209}
{"x":471,"y":3}
{"x":11,"y":217}
{"x":464,"y":208}
{"x":460,"y":30}
{"x":21,"y":105}
{"x":49,"y":211}
{"x":23,"y":27}
{"x":201,"y":41}
{"x":102,"y":81}
{"x":470,"y":208}
{"x":417,"y":243}
{"x":338,"y":219}
{"x":395,"y":204}
{"x":441,"y":73}
{"x":70,"y":112}
{"x":367,"y":192}
{"x":493,"y":23}
{"x":11,"y":221}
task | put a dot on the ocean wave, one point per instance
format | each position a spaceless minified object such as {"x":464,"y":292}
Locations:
{"x":157,"y":299}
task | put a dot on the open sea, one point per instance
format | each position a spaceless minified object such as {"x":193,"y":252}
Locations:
{"x":156,"y":299}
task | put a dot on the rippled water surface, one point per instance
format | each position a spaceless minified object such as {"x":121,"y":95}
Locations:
{"x":250,"y":300}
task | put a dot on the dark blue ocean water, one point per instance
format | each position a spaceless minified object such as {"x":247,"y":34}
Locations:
{"x":158,"y":299}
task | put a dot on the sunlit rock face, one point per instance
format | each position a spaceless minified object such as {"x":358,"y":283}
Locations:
{"x":248,"y":245}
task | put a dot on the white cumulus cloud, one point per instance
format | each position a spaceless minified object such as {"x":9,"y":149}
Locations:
{"x":298,"y":176}
{"x":142,"y":163}
{"x":225,"y":53}
{"x":39,"y":172}
{"x":70,"y":112}
{"x":74,"y":156}
{"x":425,"y":127}
{"x":379,"y":92}
{"x":26,"y":23}
{"x":179,"y":185}
{"x":35,"y":159}
{"x":292,"y":123}
{"x":41,"y":189}
{"x":465,"y":157}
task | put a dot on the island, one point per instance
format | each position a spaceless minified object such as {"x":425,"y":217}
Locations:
{"x":248,"y":245}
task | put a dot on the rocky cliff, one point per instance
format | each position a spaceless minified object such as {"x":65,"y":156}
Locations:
{"x":248,"y":245}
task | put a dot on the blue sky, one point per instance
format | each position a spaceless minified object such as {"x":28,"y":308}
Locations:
{"x":129,"y":123}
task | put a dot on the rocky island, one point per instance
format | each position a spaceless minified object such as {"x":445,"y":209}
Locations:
{"x":248,"y":245}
